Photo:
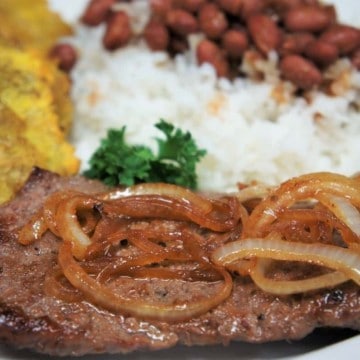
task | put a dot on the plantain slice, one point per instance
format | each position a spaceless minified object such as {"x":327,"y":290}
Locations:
{"x":32,"y":92}
{"x":35,"y":106}
{"x":30,"y":24}
{"x":17,"y":154}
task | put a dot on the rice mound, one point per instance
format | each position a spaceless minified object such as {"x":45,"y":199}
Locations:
{"x":252,"y":130}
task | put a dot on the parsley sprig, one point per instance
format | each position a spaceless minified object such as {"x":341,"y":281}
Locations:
{"x":117,"y":163}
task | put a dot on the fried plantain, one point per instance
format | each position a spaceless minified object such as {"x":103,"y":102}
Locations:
{"x":30,"y":121}
{"x":30,"y":24}
{"x":35,"y":106}
{"x":17,"y":154}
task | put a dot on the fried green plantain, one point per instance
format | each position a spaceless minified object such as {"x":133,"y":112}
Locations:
{"x":30,"y":24}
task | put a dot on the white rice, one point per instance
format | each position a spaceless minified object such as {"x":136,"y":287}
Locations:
{"x":248,"y":135}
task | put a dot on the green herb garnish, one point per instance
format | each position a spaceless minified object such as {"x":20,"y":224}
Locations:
{"x":117,"y":163}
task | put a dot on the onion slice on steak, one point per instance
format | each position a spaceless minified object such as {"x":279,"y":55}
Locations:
{"x":91,"y":225}
{"x":288,"y":287}
{"x":344,"y":211}
{"x":312,"y":219}
{"x":99,"y":294}
{"x":162,"y":189}
{"x":343,"y":260}
{"x":298,"y":189}
{"x":223,"y":216}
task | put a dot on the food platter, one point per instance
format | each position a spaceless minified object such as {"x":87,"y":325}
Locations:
{"x":320,"y":345}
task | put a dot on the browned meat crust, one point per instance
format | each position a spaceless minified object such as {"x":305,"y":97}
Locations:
{"x":30,"y":319}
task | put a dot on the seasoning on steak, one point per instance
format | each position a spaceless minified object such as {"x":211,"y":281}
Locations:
{"x":31,"y":319}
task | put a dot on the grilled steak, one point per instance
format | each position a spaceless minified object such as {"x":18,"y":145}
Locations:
{"x":31,"y":319}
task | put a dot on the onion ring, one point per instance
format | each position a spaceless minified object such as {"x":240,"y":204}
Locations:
{"x":103,"y":296}
{"x":67,"y":221}
{"x":288,"y":287}
{"x":334,"y":257}
{"x":169,"y":190}
{"x":344,"y":210}
{"x":300,"y":188}
{"x":311,"y":219}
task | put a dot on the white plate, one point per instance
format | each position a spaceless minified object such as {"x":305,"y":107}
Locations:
{"x":323,"y":344}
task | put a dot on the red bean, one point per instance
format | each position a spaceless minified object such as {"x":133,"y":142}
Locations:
{"x":322,"y":52}
{"x":295,"y":43}
{"x":193,"y":5}
{"x":65,"y":55}
{"x":118,"y":31}
{"x":181,"y":22}
{"x":303,"y":73}
{"x":250,"y":7}
{"x":307,"y":18}
{"x":264,"y":32}
{"x":346,"y":38}
{"x":96,"y":12}
{"x":208,"y":52}
{"x":232,"y":7}
{"x":212,"y":21}
{"x":235,"y":42}
{"x":281,"y":6}
{"x":159,"y":8}
{"x":156,"y":35}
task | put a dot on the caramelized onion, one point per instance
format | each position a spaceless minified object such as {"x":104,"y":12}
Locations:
{"x":299,"y":189}
{"x":288,"y":287}
{"x":334,"y":257}
{"x":136,"y":268}
{"x":312,"y":219}
{"x":71,"y":230}
{"x":193,"y":275}
{"x":344,"y":210}
{"x":223,"y":218}
{"x":173,"y":191}
{"x":258,"y":191}
{"x":51,"y":207}
{"x":312,"y":225}
{"x":101,"y":295}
